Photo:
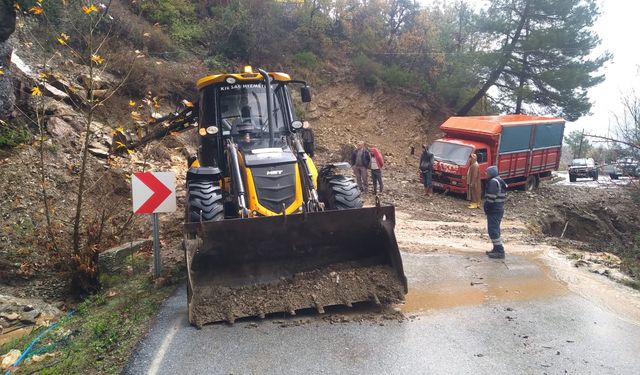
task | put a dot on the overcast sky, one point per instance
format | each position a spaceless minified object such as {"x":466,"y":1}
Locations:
{"x":617,"y":27}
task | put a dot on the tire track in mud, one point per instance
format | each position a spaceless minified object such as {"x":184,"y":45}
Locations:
{"x":422,"y":236}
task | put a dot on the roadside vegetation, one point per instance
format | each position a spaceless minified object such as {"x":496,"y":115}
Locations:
{"x":99,"y":334}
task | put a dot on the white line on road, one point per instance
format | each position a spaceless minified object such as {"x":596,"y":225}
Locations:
{"x":157,"y":359}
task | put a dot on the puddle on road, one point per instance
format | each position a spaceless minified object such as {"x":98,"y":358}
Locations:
{"x":462,"y":292}
{"x":524,"y":289}
{"x":420,"y":300}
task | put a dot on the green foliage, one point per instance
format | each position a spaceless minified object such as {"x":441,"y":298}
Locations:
{"x":542,"y":64}
{"x":178,"y":15}
{"x":367,"y":71}
{"x":306,"y":59}
{"x":395,"y":76}
{"x":578,"y":143}
{"x":185,"y":31}
{"x":218,"y":63}
{"x":168,"y":12}
{"x":12,"y":136}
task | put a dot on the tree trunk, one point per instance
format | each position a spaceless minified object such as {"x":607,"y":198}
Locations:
{"x":506,"y":56}
{"x":85,"y":154}
{"x":522,"y":77}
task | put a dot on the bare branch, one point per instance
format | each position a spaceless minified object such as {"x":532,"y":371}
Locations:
{"x":609,"y":139}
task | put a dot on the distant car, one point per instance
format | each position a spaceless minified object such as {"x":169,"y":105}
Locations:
{"x":629,"y":167}
{"x":613,"y":170}
{"x":583,"y":168}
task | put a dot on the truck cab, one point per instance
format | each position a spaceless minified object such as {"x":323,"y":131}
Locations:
{"x":451,"y":162}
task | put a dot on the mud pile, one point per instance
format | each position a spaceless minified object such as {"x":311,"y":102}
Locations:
{"x":602,"y":219}
{"x":339,"y":285}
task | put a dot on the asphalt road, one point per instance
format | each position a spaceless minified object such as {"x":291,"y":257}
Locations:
{"x":466,"y":315}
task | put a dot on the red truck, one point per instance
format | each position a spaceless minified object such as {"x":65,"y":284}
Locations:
{"x":525,"y":148}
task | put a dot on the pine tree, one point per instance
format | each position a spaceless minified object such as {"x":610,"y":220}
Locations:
{"x":543,"y":61}
{"x":578,"y":143}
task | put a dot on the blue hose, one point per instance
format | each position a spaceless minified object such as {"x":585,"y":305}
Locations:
{"x":35,"y":341}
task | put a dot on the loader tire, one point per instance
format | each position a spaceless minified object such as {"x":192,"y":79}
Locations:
{"x":204,"y":202}
{"x":339,"y":192}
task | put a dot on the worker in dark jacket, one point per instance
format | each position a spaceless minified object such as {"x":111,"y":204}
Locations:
{"x":308,"y":139}
{"x":360,"y":161}
{"x":495,"y":194}
{"x":426,"y":168}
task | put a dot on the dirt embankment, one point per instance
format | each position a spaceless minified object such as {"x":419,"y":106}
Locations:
{"x":607,"y":219}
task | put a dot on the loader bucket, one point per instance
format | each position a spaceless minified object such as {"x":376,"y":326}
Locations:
{"x":253,"y":267}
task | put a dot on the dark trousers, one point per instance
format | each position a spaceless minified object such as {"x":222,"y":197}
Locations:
{"x":308,"y":148}
{"x":426,"y":179}
{"x":493,"y":227}
{"x":376,"y":176}
{"x":361,"y":178}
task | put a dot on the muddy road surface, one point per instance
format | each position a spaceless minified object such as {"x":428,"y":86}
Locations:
{"x":534,"y":312}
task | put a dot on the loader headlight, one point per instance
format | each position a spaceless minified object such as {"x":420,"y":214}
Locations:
{"x":211,"y":130}
{"x":230,"y":80}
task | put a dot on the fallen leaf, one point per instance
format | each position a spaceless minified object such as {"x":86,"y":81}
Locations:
{"x":135,"y":116}
{"x":36,"y":10}
{"x":89,"y":9}
{"x":97,"y":59}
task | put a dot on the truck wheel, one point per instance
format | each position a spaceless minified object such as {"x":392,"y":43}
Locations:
{"x":204,"y":202}
{"x":532,"y":183}
{"x":339,"y":192}
{"x":613,"y":176}
{"x":572,"y":178}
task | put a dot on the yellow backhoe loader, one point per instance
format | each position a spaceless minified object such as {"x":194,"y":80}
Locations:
{"x":265,"y":230}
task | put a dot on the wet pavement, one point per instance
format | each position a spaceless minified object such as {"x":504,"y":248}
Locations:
{"x":465,"y":314}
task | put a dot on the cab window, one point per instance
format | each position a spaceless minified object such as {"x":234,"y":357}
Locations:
{"x":482,"y":155}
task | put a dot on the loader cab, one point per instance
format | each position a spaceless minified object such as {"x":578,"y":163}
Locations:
{"x":235,"y":106}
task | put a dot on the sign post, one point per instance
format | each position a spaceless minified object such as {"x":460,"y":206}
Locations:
{"x":152,"y":193}
{"x":157,"y":264}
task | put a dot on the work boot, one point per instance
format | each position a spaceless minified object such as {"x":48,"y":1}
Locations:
{"x":473,"y":205}
{"x":497,"y":252}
